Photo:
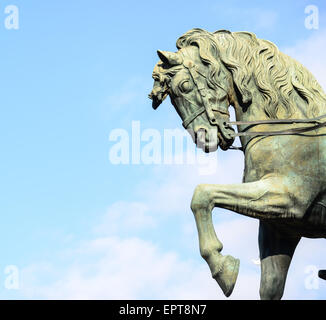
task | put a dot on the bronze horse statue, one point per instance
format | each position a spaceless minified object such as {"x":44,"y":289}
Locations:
{"x":279,"y":108}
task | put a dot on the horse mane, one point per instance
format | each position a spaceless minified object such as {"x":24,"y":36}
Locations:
{"x":280,"y":79}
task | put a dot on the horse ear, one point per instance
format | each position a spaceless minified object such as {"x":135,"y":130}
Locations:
{"x":170,"y":58}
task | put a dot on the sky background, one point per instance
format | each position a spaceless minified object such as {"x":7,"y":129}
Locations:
{"x":79,"y":227}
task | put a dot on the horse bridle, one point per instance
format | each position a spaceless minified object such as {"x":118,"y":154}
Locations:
{"x":225,"y":126}
{"x":225,"y":129}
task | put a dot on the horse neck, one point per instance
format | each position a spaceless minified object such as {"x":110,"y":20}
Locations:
{"x":256,"y":112}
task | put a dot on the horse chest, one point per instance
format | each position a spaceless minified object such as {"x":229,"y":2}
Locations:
{"x":284,"y":156}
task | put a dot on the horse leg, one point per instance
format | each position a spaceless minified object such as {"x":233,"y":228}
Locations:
{"x":267,"y":198}
{"x":276,"y":252}
{"x":224,"y":269}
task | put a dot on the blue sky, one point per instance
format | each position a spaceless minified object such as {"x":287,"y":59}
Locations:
{"x":73,"y":72}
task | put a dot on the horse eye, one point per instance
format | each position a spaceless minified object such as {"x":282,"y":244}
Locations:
{"x":185,"y":86}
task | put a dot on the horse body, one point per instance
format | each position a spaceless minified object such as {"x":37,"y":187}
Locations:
{"x":284,"y":182}
{"x":301,"y":172}
{"x":296,"y":163}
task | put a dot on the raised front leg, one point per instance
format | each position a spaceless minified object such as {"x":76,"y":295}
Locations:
{"x":265,"y":199}
{"x":224,"y":269}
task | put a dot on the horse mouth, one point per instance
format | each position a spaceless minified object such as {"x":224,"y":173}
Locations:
{"x":206,"y":142}
{"x":210,"y":147}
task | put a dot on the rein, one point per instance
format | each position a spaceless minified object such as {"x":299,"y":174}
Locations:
{"x":293,"y":131}
{"x":225,"y":126}
{"x":316,"y":121}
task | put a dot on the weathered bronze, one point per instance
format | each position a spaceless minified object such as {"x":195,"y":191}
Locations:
{"x":280,"y":110}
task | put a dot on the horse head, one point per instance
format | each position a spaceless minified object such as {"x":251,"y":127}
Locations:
{"x":200,"y":92}
{"x":212,"y":71}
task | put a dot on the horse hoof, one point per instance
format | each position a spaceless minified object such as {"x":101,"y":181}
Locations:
{"x":227,"y":274}
{"x":322,"y":274}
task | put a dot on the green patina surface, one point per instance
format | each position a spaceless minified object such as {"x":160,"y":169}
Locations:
{"x":285,"y":175}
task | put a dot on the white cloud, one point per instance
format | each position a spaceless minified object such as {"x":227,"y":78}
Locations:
{"x":132,"y":268}
{"x":126,"y":269}
{"x":129,"y":268}
{"x":311,"y":53}
{"x":310,"y":252}
{"x":171,"y":187}
{"x":125,"y":217}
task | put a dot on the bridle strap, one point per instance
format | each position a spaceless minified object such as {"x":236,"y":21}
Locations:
{"x":195,"y":74}
{"x":243,"y":133}
{"x":289,"y":121}
{"x":193,"y":116}
{"x":280,"y":132}
{"x":294,"y":131}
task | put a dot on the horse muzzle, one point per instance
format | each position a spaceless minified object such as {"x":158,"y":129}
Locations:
{"x":206,"y":139}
